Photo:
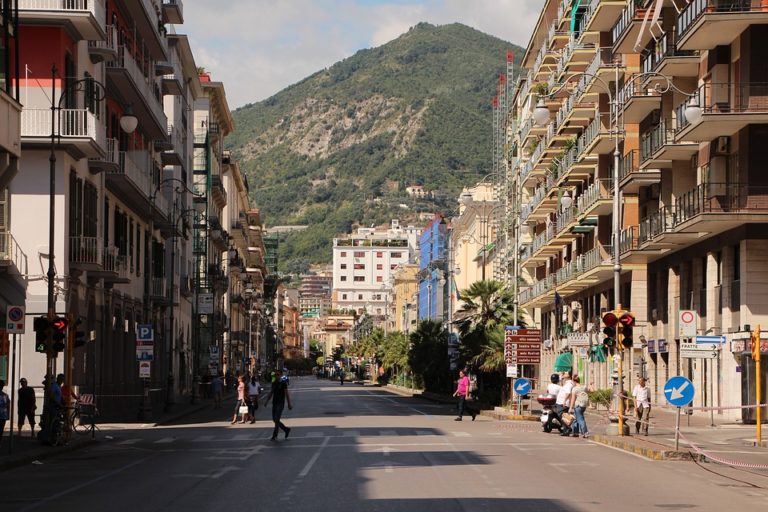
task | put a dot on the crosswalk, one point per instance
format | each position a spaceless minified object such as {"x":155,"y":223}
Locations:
{"x":298,"y":434}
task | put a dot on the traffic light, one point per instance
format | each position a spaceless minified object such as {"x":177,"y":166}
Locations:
{"x":78,"y":334}
{"x":627,"y":321}
{"x":42,"y":333}
{"x":756,"y":343}
{"x":610,"y":322}
{"x":59,"y":333}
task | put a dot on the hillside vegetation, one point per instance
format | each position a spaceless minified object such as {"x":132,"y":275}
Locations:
{"x":339,"y":148}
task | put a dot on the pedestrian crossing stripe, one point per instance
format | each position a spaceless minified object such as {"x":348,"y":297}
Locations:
{"x":165,"y":440}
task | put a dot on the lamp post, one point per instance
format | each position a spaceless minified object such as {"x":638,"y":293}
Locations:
{"x":128,"y":122}
{"x":541,"y":116}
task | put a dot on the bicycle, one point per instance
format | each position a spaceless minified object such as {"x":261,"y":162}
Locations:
{"x":83,"y":418}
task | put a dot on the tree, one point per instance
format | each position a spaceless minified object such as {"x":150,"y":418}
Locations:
{"x":395,"y":357}
{"x":428,"y":356}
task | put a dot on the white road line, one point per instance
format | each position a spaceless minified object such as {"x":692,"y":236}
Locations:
{"x":165,"y":440}
{"x":129,"y":441}
{"x":308,"y":467}
{"x":461,"y":434}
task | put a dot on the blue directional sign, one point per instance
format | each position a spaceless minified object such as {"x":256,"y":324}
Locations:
{"x":522,"y":386}
{"x":679,"y":391}
{"x":710,"y":339}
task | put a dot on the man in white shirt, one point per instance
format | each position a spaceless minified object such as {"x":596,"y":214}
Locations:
{"x":562,"y":403}
{"x":642,"y":397}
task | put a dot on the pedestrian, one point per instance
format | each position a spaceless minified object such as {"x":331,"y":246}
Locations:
{"x":253,"y":398}
{"x":240,"y":399}
{"x":579,"y":403}
{"x":5,"y":408}
{"x":217,"y":384}
{"x":462,"y":391}
{"x":341,"y":377}
{"x":563,"y":400}
{"x":280,"y":396}
{"x":27,"y":404}
{"x":642,"y":396}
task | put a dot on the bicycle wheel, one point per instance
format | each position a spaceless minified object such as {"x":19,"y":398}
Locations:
{"x":80,"y":424}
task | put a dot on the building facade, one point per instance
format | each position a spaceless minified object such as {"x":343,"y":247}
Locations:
{"x":433,"y":268}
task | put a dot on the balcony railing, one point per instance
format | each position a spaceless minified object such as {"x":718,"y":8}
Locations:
{"x":659,"y":222}
{"x":628,"y":164}
{"x":85,"y":249}
{"x":133,"y":170}
{"x":721,"y":198}
{"x":661,"y":49}
{"x":592,"y":194}
{"x":95,"y":7}
{"x":142,"y":78}
{"x":71,"y":123}
{"x":627,"y":16}
{"x":628,"y":239}
{"x":158,"y":287}
{"x":697,"y":8}
{"x":726,"y":98}
{"x":658,"y":136}
{"x":11,"y":253}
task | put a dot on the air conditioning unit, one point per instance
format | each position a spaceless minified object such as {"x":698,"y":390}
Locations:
{"x":721,"y":146}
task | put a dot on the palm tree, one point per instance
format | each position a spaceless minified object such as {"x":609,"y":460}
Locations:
{"x":486,"y":305}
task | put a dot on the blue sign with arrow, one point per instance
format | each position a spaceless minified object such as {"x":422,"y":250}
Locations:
{"x":522,"y":386}
{"x":679,"y":391}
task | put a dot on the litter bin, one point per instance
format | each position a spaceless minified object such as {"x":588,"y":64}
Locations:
{"x":748,"y":387}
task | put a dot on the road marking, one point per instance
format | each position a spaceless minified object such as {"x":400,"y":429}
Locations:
{"x":496,"y":433}
{"x":313,"y":434}
{"x":202,"y":439}
{"x":461,"y":434}
{"x":129,"y":441}
{"x":351,"y":433}
{"x":165,"y":440}
{"x":424,"y":433}
{"x":308,"y":467}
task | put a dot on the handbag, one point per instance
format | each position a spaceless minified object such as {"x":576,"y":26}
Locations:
{"x":567,"y":418}
{"x":243,"y":409}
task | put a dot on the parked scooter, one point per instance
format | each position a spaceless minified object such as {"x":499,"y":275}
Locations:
{"x":549,"y":419}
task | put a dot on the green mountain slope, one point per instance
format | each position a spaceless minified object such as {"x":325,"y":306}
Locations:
{"x":338,"y":148}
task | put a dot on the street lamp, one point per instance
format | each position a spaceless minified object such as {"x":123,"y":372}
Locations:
{"x":97,"y":93}
{"x":692,"y":113}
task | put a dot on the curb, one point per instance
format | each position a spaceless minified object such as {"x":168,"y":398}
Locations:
{"x":647,"y":452}
{"x":45,"y":452}
{"x":508,"y":417}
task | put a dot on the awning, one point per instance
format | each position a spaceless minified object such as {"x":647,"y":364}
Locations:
{"x":576,"y":6}
{"x":564,"y":362}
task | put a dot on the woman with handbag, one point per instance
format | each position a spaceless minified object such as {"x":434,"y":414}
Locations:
{"x":579,"y":403}
{"x":240,"y":407}
{"x":253,"y":398}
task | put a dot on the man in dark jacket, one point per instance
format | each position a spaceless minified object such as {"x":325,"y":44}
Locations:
{"x":27,"y":405}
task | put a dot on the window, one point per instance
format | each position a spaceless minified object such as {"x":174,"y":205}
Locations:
{"x":393,"y":267}
{"x":397,"y":255}
{"x":359,"y":279}
{"x":343,"y":278}
{"x":379,"y":279}
{"x":359,"y":254}
{"x":359,"y":296}
{"x":378,"y":311}
{"x":359,"y":266}
{"x":343,"y":296}
{"x":379,"y":266}
{"x":379,"y":254}
{"x":343,"y":254}
{"x":343,"y":266}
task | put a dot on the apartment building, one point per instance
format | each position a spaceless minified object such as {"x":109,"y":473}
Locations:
{"x":315,"y":295}
{"x":363,"y":265}
{"x":433,"y":271}
{"x":405,"y":295}
{"x":678,"y":90}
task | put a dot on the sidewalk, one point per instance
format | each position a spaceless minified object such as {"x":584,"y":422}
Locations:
{"x":27,"y":450}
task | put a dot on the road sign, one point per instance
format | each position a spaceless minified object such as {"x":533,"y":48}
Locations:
{"x":679,"y":391}
{"x":522,"y":386}
{"x":144,"y":334}
{"x":213,"y":350}
{"x":700,"y":350}
{"x":145,"y":369}
{"x":521,"y":346}
{"x":688,"y":320}
{"x":578,"y":339}
{"x":511,"y":371}
{"x":710,"y":339}
{"x":204,"y":304}
{"x":145,"y":352}
{"x":15,"y":320}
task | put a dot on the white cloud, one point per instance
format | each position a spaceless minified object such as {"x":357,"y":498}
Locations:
{"x":258,"y":47}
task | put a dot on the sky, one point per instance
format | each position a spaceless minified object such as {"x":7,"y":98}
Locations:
{"x":259,"y":47}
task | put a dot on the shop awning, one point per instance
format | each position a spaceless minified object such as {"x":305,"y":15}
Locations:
{"x":564,"y":362}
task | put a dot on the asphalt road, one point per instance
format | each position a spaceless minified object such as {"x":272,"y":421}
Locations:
{"x":364,"y":449}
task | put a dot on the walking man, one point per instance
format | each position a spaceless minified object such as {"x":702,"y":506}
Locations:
{"x":279,"y":395}
{"x":642,"y":396}
{"x":27,"y":405}
{"x":462,"y":391}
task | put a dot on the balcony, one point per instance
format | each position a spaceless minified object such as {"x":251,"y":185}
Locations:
{"x":726,"y":109}
{"x":173,"y":12}
{"x":137,"y":88}
{"x":636,"y":101}
{"x":632,"y":174}
{"x":10,"y":114}
{"x":185,"y":286}
{"x":653,"y":230}
{"x":218,"y":194}
{"x":601,"y":15}
{"x":131,"y":179}
{"x":597,"y":138}
{"x":664,"y":57}
{"x":12,"y":258}
{"x":173,"y":153}
{"x":627,"y":28}
{"x":705,"y":24}
{"x":104,"y":50}
{"x":82,"y":19}
{"x":78,"y":131}
{"x":114,"y":268}
{"x":575,"y":57}
{"x":596,"y":200}
{"x":173,"y":79}
{"x":712,"y":208}
{"x":158,"y":290}
{"x":603,"y":68}
{"x":150,"y":25}
{"x":629,"y":248}
{"x":86,"y":253}
{"x":659,"y":148}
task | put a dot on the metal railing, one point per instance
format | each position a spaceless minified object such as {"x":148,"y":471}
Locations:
{"x":142,"y":78}
{"x":664,"y":47}
{"x":71,"y":123}
{"x":721,"y":198}
{"x":109,"y":42}
{"x":158,"y":287}
{"x":85,"y":249}
{"x":137,"y":173}
{"x":628,"y":164}
{"x":656,"y":224}
{"x":95,"y":7}
{"x":592,"y":194}
{"x":113,"y":262}
{"x":628,"y":239}
{"x":726,"y":98}
{"x":627,"y":16}
{"x":10,"y":252}
{"x":697,"y":8}
{"x":658,"y":136}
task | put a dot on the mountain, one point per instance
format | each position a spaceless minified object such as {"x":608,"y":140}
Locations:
{"x":339,"y":148}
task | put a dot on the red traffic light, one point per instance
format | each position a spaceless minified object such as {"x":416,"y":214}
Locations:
{"x":610,"y":319}
{"x":627,"y":320}
{"x":59,"y":323}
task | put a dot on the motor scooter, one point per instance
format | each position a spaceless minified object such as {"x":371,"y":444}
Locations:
{"x":549,"y":419}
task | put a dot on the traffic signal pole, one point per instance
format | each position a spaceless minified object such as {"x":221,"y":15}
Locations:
{"x":758,"y":385}
{"x":620,"y":347}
